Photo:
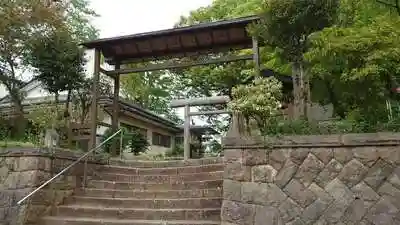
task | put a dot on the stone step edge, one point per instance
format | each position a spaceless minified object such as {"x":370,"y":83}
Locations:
{"x":188,"y":161}
{"x":146,"y":199}
{"x":161,"y":175}
{"x":163,"y":161}
{"x":163,"y":168}
{"x":119,"y":221}
{"x":147,"y":191}
{"x":150,"y":183}
{"x":78,"y":207}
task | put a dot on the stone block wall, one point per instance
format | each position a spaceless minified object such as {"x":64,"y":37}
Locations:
{"x":349,"y":179}
{"x":23,"y":170}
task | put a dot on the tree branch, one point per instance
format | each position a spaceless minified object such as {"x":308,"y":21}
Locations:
{"x":396,"y":5}
{"x":386,"y":3}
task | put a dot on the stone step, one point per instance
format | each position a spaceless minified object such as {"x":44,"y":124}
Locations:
{"x":161,"y":178}
{"x":206,"y":184}
{"x":138,"y":214}
{"x":95,"y":221}
{"x":198,"y":193}
{"x":163,"y":171}
{"x":183,"y":203}
{"x":168,"y":163}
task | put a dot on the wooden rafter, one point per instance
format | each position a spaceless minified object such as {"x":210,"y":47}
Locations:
{"x":168,"y":66}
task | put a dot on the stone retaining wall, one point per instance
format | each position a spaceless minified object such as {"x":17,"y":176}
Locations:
{"x":22,"y":170}
{"x":320,"y":180}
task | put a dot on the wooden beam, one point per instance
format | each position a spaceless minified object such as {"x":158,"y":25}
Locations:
{"x":215,"y":100}
{"x":95,"y":95}
{"x":82,"y":137}
{"x":256,"y":56}
{"x":104,"y":124}
{"x":168,"y":66}
{"x":104,"y":71}
{"x":186,"y":134}
{"x":203,"y":113}
{"x":115,"y":112}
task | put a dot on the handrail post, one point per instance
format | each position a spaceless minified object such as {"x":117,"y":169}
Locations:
{"x":84,"y":174}
{"x":120,"y":144}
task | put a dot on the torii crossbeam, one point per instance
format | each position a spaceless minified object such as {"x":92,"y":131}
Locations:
{"x":187,"y":103}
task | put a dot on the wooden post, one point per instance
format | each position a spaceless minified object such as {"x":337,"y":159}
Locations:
{"x":186,"y":133}
{"x":186,"y":103}
{"x":114,"y":122}
{"x":95,"y":95}
{"x":256,"y":56}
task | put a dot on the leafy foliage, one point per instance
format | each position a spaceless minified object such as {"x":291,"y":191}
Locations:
{"x":82,"y":96}
{"x":78,"y":16}
{"x":58,"y":62}
{"x":36,"y":21}
{"x":359,"y":63}
{"x":21,"y":21}
{"x":395,"y":4}
{"x":151,"y":90}
{"x":177,"y":151}
{"x":215,"y":148}
{"x":108,"y":145}
{"x":304,"y":127}
{"x":138,"y":143}
{"x":214,"y":80}
{"x":286,"y":24}
{"x":260,"y":100}
{"x":132,"y":140}
{"x":220,"y":79}
{"x":47,"y":117}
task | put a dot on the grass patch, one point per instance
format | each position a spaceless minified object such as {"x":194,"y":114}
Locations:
{"x":11,"y":144}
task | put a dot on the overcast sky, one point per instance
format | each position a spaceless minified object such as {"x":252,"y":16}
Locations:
{"x":124,"y":17}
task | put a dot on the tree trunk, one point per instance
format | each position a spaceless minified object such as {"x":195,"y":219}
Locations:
{"x":19,"y":121}
{"x":14,"y":90}
{"x":301,"y":91}
{"x":56,"y":98}
{"x":67,"y":118}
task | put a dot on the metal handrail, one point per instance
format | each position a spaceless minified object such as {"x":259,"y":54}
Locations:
{"x":70,"y":166}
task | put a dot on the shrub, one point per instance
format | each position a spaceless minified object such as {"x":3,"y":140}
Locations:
{"x":134,"y":141}
{"x":107,"y":146}
{"x":176,"y":151}
{"x":260,"y":101}
{"x":137,"y":143}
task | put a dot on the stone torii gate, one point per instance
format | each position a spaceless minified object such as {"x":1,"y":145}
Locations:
{"x":187,"y":103}
{"x":178,"y":43}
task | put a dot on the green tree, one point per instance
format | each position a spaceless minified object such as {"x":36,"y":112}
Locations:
{"x":217,"y":79}
{"x":21,"y":21}
{"x":78,"y":16}
{"x":58,"y":62}
{"x":391,"y":3}
{"x":359,"y":61}
{"x":151,"y":90}
{"x":24,"y":22}
{"x":221,"y":79}
{"x":82,"y":97}
{"x":286,"y":25}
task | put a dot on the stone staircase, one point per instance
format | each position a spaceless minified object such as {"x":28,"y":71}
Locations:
{"x":147,"y":193}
